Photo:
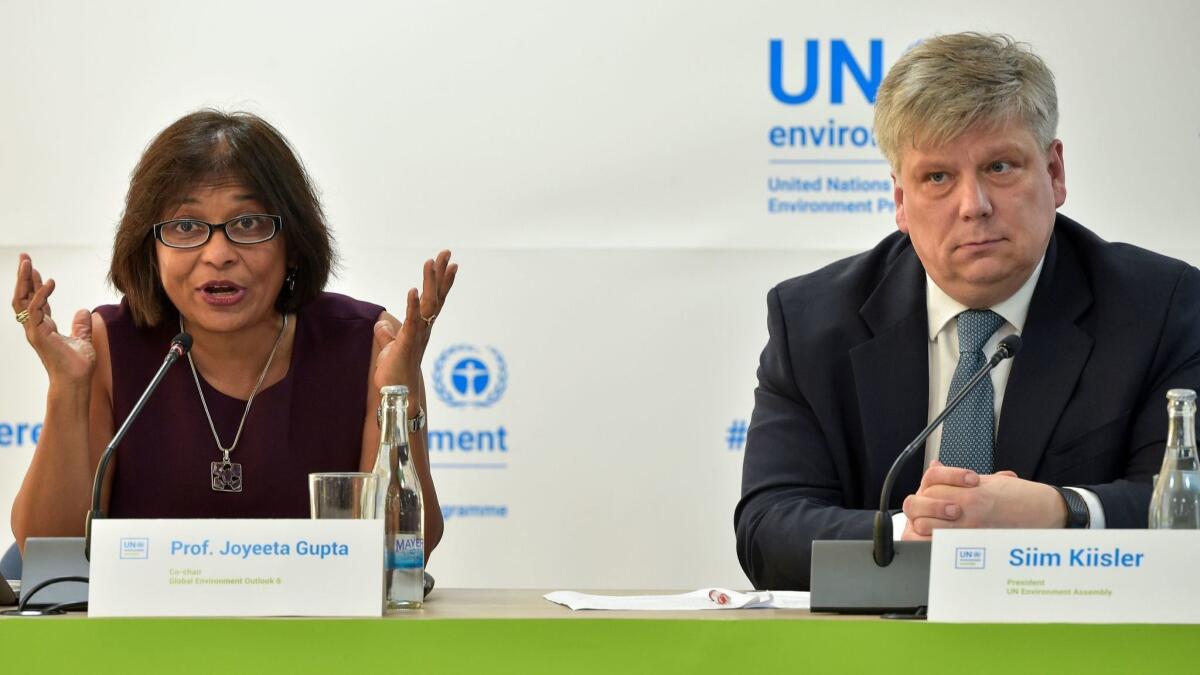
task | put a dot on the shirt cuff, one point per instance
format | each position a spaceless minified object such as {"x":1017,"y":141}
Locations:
{"x":1095,"y":508}
{"x":899,"y":522}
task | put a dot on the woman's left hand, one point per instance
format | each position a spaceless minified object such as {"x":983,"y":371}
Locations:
{"x":402,"y":347}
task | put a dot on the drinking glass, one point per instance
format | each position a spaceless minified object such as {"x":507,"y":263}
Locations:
{"x":341,"y":495}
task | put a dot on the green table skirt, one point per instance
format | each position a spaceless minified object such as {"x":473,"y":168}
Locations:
{"x":611,"y":646}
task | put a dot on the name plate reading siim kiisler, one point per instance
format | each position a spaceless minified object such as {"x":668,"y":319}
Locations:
{"x":236,"y":568}
{"x":1064,"y":576}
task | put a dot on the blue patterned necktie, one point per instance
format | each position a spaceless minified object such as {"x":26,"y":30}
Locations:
{"x":968,"y":435}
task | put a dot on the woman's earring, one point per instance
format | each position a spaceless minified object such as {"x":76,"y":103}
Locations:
{"x":290,"y":280}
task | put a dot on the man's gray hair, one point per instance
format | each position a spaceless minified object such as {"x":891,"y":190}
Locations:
{"x":949,"y":84}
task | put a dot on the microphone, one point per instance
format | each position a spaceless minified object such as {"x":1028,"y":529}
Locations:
{"x":843,"y":580}
{"x":884,"y":544}
{"x":179,"y":347}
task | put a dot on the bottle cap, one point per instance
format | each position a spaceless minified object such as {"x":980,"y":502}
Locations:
{"x":401,"y":390}
{"x":1182,"y":395}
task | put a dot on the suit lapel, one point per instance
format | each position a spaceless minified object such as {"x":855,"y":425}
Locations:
{"x":1052,"y":356}
{"x":891,"y":374}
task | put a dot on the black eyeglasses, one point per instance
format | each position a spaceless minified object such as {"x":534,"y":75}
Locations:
{"x":249,"y":228}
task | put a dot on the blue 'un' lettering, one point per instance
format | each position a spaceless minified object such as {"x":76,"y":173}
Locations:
{"x":841,"y":60}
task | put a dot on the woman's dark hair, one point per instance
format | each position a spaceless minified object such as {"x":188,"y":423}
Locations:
{"x":209,"y":146}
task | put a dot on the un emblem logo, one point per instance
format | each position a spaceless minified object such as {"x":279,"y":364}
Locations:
{"x":465,"y":376}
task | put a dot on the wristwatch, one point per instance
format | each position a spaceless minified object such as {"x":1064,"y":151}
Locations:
{"x":1078,"y":515}
{"x":417,"y":423}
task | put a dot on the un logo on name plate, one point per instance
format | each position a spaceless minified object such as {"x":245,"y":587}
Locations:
{"x":466,"y":376}
{"x":970,"y":558}
{"x":135,"y":548}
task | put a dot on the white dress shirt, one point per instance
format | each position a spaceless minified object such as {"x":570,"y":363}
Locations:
{"x":942,"y":312}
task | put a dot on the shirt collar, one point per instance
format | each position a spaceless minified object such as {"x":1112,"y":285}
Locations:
{"x":940,"y":308}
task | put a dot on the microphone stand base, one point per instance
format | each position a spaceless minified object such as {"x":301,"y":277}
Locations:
{"x":846,"y":580}
{"x":921,"y":614}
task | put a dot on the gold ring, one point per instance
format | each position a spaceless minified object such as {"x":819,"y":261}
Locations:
{"x":429,"y":321}
{"x":23,"y":316}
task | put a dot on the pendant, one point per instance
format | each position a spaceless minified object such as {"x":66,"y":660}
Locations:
{"x":227,"y":476}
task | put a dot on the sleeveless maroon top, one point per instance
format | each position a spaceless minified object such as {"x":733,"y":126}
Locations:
{"x":310,"y":421}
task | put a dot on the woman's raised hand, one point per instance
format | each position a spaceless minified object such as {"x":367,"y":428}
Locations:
{"x":67,"y":358}
{"x":402,"y":347}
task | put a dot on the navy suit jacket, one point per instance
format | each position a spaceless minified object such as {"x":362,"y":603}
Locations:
{"x":843,"y":386}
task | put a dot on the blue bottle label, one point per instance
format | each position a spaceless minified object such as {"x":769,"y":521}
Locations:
{"x":407,"y":553}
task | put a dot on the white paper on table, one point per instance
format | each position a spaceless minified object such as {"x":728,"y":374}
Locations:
{"x":705,"y":598}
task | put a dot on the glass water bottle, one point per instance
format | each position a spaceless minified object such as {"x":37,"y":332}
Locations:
{"x":1175,"y":503}
{"x":398,"y":503}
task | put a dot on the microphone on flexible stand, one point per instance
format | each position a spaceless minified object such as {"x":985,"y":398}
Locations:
{"x":842,"y":580}
{"x":884,"y":549}
{"x":179,"y":347}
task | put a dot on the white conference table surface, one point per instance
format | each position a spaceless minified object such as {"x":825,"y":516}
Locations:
{"x":456,"y":603}
{"x":466,"y":603}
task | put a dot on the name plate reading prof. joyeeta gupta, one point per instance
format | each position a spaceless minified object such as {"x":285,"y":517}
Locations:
{"x":236,"y":568}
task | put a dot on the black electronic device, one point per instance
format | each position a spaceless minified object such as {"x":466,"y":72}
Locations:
{"x":7,"y":596}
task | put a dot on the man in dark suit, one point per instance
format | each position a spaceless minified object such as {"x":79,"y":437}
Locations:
{"x":863,"y":353}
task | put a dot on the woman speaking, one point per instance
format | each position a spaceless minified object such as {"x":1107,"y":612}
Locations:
{"x":223,"y":237}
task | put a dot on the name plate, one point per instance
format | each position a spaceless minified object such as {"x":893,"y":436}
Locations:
{"x":236,"y":568}
{"x":1064,"y":576}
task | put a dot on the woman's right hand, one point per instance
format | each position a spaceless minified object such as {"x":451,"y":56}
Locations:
{"x":67,"y":358}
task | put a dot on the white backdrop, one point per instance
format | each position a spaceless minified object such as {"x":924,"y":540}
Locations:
{"x":604,"y":173}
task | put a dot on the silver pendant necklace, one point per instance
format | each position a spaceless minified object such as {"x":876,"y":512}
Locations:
{"x":227,"y":475}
